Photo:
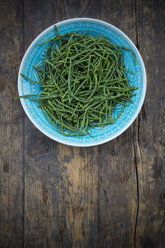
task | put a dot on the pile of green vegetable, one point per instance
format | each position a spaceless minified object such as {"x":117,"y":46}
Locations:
{"x":82,"y":79}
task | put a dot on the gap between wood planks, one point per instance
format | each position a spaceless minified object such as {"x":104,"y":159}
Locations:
{"x":23,"y":142}
{"x":136,"y":136}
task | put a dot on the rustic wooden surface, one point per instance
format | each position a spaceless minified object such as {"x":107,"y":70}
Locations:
{"x":54,"y":196}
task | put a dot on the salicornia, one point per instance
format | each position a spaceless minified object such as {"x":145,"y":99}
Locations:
{"x":82,"y":79}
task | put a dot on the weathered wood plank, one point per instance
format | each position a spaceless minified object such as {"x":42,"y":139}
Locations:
{"x":117,"y":176}
{"x":72,"y":8}
{"x":39,"y":153}
{"x":82,"y":197}
{"x":61,"y":182}
{"x":11,"y":128}
{"x":151,"y":131}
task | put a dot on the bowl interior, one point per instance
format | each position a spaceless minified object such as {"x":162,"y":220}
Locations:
{"x":34,"y":56}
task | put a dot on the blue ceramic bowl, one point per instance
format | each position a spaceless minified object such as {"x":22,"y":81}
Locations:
{"x":34,"y":55}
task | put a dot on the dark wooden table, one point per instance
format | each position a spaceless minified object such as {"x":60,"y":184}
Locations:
{"x":54,"y":196}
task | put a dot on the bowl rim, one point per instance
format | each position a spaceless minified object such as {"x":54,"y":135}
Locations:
{"x":125,"y":127}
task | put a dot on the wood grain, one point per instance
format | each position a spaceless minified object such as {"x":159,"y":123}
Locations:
{"x":61,"y":182}
{"x":52,"y":195}
{"x":117,"y":177}
{"x":151,"y":131}
{"x":11,"y":128}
